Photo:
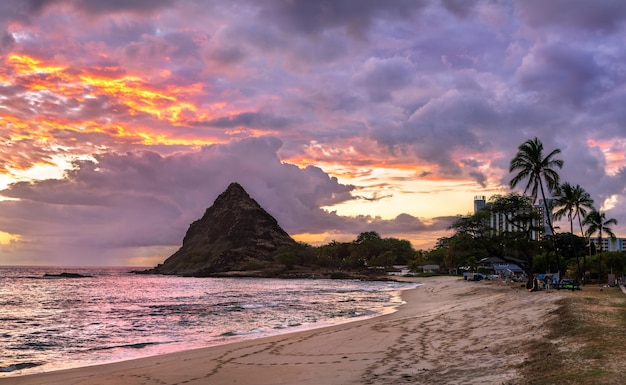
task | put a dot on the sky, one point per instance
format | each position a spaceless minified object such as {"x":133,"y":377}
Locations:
{"x":121,"y":121}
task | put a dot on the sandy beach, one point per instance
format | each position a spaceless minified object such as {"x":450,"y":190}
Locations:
{"x":449,"y":331}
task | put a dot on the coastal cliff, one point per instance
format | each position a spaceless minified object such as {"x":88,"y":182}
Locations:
{"x":234,"y":235}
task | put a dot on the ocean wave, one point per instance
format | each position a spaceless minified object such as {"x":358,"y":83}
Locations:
{"x":20,"y":366}
{"x":69,"y":323}
{"x":257,"y":305}
{"x":139,"y":345}
{"x":242,"y":333}
{"x":291,"y":325}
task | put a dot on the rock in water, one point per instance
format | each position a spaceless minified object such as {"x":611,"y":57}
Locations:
{"x":235,"y":234}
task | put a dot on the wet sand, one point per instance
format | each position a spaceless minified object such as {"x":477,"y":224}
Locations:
{"x":450,"y":331}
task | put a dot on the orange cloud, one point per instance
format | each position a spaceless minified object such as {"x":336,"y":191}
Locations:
{"x":129,"y":90}
{"x":26,"y":65}
{"x":49,"y":85}
{"x":364,"y":155}
{"x":58,"y":109}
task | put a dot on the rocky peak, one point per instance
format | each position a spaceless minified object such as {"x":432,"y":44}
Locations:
{"x":235,"y":233}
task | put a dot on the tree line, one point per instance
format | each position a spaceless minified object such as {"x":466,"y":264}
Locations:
{"x":530,"y":238}
{"x":526,"y":236}
{"x":368,"y":250}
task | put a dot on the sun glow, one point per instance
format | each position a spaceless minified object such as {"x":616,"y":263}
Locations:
{"x":386,"y":193}
{"x":7,"y":239}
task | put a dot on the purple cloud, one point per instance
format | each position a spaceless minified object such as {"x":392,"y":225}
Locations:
{"x":563,"y":73}
{"x":152,"y":199}
{"x":161,"y":104}
{"x":603,"y":15}
{"x":355,"y":16}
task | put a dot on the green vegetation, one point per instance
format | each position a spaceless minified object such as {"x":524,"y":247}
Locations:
{"x":574,"y":202}
{"x":367,"y":251}
{"x":521,"y":239}
{"x":522,"y":234}
{"x":597,"y":223}
{"x":531,"y":164}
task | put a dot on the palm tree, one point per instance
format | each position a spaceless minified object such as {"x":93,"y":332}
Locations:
{"x":598,"y":223}
{"x":573,"y":202}
{"x":585,"y":202}
{"x":531,"y":164}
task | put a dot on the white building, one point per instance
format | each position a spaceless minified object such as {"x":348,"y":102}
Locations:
{"x":609,"y":244}
{"x":502,"y":222}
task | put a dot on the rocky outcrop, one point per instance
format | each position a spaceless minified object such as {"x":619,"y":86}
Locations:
{"x":234,"y":234}
{"x":66,"y":275}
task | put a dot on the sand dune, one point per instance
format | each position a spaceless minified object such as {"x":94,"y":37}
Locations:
{"x":450,"y":331}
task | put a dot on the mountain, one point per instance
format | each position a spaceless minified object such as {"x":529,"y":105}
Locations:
{"x":235,"y":234}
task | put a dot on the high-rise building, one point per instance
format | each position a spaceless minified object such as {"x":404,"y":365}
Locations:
{"x":608,"y":244}
{"x":501,"y":222}
{"x":479,"y":203}
{"x":544,"y":224}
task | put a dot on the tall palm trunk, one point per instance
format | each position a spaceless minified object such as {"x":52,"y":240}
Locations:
{"x":600,"y":255}
{"x":571,"y":240}
{"x":597,"y":222}
{"x":531,"y":164}
{"x":549,"y":217}
{"x":587,"y":242}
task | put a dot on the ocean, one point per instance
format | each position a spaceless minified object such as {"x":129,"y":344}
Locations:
{"x":50,"y":323}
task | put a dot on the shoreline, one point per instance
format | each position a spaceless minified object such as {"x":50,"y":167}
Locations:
{"x":56,"y":324}
{"x":448,"y":331}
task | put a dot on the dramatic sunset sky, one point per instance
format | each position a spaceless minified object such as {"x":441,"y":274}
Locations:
{"x":121,"y":120}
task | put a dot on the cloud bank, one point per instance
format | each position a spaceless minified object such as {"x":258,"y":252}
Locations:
{"x":123,"y":120}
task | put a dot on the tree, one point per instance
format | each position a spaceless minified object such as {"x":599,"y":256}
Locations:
{"x":299,"y":254}
{"x":418,"y":261}
{"x":573,"y":201}
{"x":471,"y":239}
{"x":583,"y":203}
{"x":385,"y":260}
{"x":475,"y":238}
{"x":570,"y":246}
{"x":581,"y":212}
{"x":597,"y":223}
{"x":401,"y":249}
{"x":368,"y":249}
{"x":518,"y":246}
{"x":475,"y":225}
{"x":365,"y":246}
{"x":368,"y":236}
{"x":530,"y":163}
{"x":616,"y":261}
